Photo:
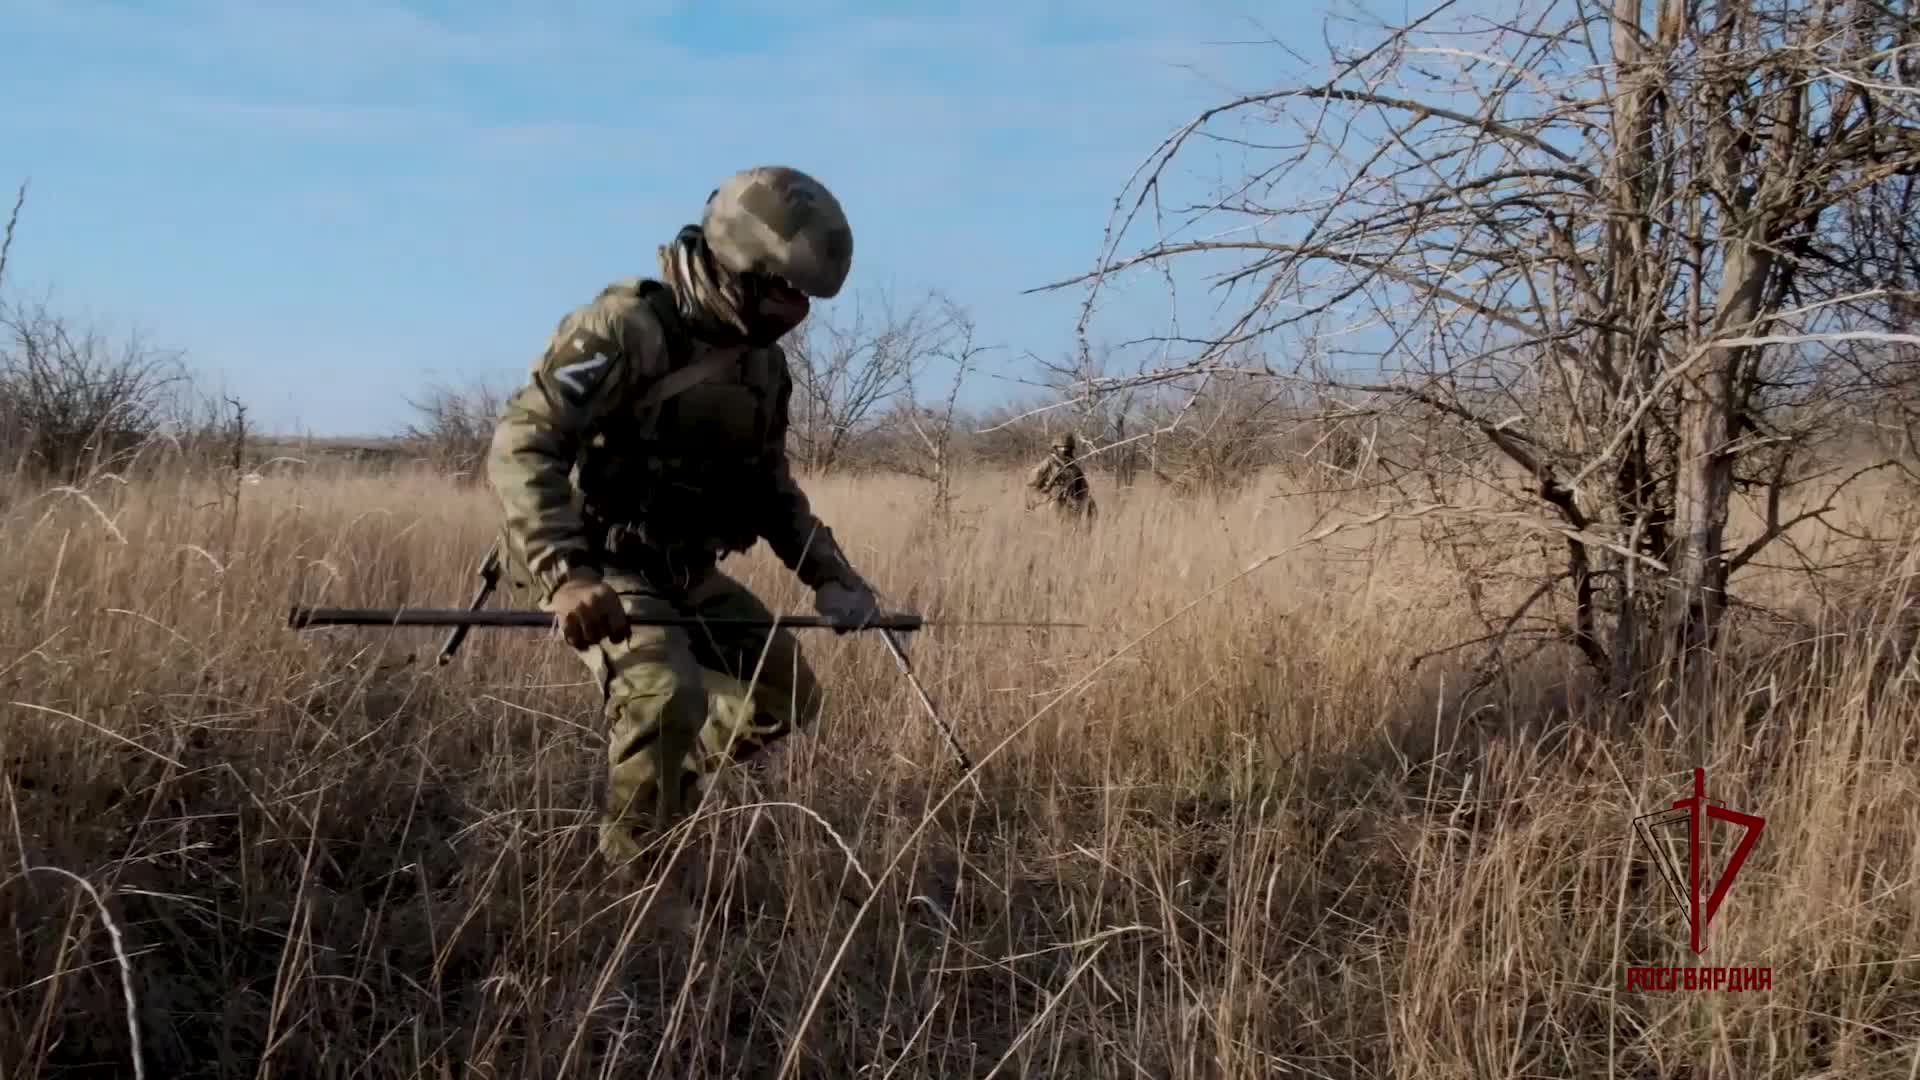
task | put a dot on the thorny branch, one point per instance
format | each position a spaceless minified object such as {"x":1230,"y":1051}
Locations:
{"x":1650,"y":268}
{"x":13,"y":222}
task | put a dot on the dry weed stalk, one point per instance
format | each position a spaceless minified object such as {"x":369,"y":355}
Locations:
{"x":1218,"y":835}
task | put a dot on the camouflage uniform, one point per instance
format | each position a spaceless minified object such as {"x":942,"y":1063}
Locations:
{"x":1062,"y":478}
{"x":594,"y":470}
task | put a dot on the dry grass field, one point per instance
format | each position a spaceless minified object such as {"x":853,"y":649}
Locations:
{"x":1233,"y":838}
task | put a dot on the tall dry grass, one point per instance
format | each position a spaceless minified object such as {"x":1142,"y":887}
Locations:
{"x":1237,"y":838}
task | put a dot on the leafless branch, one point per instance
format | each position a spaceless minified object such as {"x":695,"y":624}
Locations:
{"x":846,"y":372}
{"x":13,"y":220}
{"x":1646,"y":269}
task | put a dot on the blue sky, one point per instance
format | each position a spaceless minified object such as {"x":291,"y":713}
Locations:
{"x":330,"y":205}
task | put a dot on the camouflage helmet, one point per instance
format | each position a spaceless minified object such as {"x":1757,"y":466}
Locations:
{"x":776,"y":220}
{"x":1066,"y":442}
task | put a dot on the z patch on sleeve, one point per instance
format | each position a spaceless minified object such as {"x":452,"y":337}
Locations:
{"x":576,"y":367}
{"x":581,"y":376}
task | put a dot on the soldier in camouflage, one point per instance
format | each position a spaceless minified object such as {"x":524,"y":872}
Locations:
{"x":1060,"y":478}
{"x":670,"y":397}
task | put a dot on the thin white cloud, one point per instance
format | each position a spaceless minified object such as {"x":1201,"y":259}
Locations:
{"x":968,"y":144}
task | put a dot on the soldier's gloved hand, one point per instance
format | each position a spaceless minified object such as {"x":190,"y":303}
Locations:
{"x":587,"y":610}
{"x":846,"y":604}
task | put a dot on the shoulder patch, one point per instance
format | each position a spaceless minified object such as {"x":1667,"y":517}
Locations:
{"x":602,"y":348}
{"x":581,"y":376}
{"x":576,"y":362}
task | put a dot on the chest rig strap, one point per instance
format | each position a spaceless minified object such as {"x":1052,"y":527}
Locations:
{"x":619,"y":538}
{"x":681,"y":375}
{"x":683,"y":379}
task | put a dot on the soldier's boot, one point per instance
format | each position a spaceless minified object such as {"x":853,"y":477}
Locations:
{"x":650,"y":737}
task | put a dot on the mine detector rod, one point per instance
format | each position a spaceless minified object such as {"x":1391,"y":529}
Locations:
{"x":939,"y":722}
{"x":889,"y":624}
{"x":302,"y":618}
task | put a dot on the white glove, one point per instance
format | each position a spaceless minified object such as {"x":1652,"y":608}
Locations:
{"x":845,"y":604}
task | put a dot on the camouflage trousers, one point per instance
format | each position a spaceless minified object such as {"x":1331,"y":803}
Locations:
{"x":682,"y":702}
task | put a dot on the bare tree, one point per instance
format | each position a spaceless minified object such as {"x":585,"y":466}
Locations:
{"x":455,"y":426}
{"x":1880,"y":250}
{"x":929,"y":453}
{"x":13,"y":222}
{"x":1218,"y":436}
{"x":71,"y":401}
{"x":846,"y":373}
{"x":1604,"y":240}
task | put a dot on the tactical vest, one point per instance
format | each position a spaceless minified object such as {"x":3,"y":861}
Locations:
{"x":685,"y":476}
